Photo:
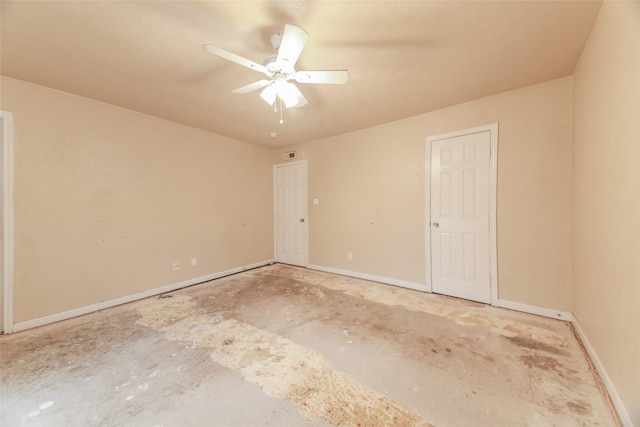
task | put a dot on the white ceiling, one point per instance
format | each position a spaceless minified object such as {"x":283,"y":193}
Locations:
{"x":404,"y":57}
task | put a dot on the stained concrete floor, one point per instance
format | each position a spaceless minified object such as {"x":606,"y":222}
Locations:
{"x":285,"y":346}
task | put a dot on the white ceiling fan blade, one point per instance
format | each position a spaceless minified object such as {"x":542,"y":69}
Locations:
{"x":294,"y":98}
{"x":215,"y":50}
{"x":327,"y":76}
{"x":293,"y":40}
{"x":252,"y":86}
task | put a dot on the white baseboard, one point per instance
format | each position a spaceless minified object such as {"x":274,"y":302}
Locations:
{"x":546,"y":312}
{"x":371,"y":277}
{"x":624,"y":416}
{"x":532,"y":309}
{"x":28,"y":324}
{"x":512,"y":305}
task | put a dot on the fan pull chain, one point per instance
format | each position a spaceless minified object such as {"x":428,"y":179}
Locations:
{"x":281,"y":119}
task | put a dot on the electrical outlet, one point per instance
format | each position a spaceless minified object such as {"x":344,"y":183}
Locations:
{"x":349,"y":256}
{"x":176,"y":266}
{"x":194,"y":262}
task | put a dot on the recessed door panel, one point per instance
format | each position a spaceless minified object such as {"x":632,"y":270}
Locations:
{"x":469,"y":257}
{"x":445,"y":194}
{"x":445,"y":254}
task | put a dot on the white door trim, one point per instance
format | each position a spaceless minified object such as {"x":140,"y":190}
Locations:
{"x":275,"y":213}
{"x":493,"y":174}
{"x":6,"y":284}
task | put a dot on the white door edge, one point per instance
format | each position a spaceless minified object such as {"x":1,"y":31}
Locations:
{"x":493,"y":181}
{"x":6,"y":284}
{"x":275,"y":218}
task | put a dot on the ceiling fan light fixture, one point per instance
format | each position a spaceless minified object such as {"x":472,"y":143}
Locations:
{"x":269,"y":94}
{"x":288,"y":93}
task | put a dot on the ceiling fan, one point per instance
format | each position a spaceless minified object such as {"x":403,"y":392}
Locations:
{"x":280,"y":69}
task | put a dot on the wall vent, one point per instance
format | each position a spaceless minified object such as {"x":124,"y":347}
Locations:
{"x":289,"y":155}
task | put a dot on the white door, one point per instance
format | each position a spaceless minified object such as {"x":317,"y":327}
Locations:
{"x":459,"y":217}
{"x":290,"y":200}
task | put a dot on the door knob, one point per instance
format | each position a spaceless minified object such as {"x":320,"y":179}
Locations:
{"x":301,"y":219}
{"x":435,"y":224}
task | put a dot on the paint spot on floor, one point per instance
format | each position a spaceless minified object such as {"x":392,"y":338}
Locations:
{"x":579,"y":407}
{"x":541,"y":362}
{"x":282,"y":368}
{"x":526,"y":342}
{"x":46,"y":405}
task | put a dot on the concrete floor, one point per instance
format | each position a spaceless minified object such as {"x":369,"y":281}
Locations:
{"x":284,"y":346}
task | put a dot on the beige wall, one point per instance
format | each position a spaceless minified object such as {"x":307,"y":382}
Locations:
{"x":606,"y":196}
{"x":371,"y":186}
{"x":107,"y":199}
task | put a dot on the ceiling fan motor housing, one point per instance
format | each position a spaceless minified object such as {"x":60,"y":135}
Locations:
{"x":279,"y":68}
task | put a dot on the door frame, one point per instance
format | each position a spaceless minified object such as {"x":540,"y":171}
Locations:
{"x":493,"y":181}
{"x":6,"y":279}
{"x":275,"y":213}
